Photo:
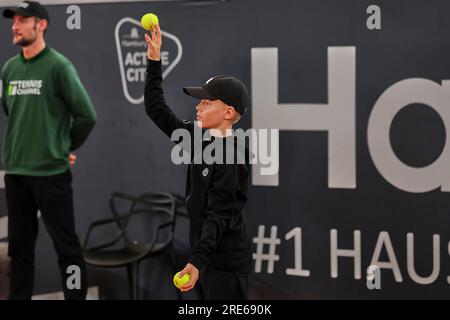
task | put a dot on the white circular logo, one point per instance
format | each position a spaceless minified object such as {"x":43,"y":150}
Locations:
{"x":205,"y":172}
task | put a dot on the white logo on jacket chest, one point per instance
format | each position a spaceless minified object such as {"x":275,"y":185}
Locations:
{"x":205,"y":172}
{"x":25,"y":87}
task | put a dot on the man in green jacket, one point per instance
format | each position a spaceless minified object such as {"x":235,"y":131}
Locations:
{"x":49,"y":115}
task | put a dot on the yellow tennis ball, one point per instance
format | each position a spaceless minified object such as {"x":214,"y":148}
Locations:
{"x":179,"y":282}
{"x":149,"y":21}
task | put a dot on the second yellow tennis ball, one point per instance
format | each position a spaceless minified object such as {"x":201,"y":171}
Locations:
{"x":179,"y":282}
{"x":149,"y":21}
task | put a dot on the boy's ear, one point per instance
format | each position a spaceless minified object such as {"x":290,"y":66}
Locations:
{"x":230,"y":113}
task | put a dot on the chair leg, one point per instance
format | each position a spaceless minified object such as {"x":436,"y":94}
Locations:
{"x":133,"y":279}
{"x":173,"y":262}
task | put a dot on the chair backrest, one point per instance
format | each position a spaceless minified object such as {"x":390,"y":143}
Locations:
{"x":158,"y":203}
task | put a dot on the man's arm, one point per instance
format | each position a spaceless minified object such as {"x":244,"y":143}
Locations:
{"x":4,"y":91}
{"x":79,"y":104}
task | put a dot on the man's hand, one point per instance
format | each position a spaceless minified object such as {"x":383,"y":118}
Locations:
{"x":154,"y":42}
{"x":194,"y":273}
{"x":72,"y":159}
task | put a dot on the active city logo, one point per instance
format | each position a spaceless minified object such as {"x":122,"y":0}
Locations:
{"x":132,"y":55}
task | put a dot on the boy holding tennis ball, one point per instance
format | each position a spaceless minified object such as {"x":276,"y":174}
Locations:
{"x":216,"y":193}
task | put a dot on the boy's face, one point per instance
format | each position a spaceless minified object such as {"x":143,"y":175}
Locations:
{"x":212,"y":113}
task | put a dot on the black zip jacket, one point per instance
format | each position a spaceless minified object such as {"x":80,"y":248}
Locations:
{"x":215,"y":193}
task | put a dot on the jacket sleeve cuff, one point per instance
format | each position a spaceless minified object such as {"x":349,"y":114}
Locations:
{"x":197,"y":262}
{"x":154,"y":66}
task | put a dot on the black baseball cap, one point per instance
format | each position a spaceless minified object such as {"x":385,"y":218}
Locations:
{"x":28,"y":9}
{"x":226,"y":88}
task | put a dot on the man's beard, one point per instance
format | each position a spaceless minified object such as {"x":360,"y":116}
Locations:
{"x":25,"y":42}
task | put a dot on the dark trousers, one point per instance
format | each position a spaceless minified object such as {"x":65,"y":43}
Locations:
{"x":220,"y":285}
{"x":51,"y":195}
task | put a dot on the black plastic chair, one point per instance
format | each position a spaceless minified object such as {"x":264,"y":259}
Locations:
{"x":132,"y":252}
